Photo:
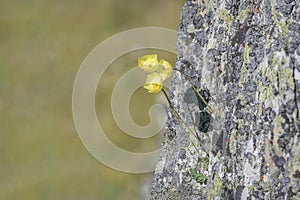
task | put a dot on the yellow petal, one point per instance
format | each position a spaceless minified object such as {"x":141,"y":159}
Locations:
{"x":148,"y":63}
{"x":153,"y":83}
{"x":153,"y":88}
{"x":165,"y":74}
{"x":167,"y":69}
{"x":166,"y":64}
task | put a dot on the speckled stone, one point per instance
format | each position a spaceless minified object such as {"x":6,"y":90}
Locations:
{"x":243,"y":57}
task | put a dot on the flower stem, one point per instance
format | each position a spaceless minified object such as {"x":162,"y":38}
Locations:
{"x":195,"y":89}
{"x":181,"y":120}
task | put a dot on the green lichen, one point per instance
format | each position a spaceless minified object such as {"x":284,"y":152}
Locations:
{"x":232,"y":139}
{"x":246,"y":54}
{"x":283,"y":73}
{"x":243,"y":14}
{"x":297,"y":156}
{"x":205,"y":162}
{"x":288,"y":74}
{"x":191,"y":28}
{"x":266,"y":91}
{"x":198,"y":177}
{"x":209,"y":5}
{"x":226,"y":15}
{"x":266,"y":71}
{"x":244,"y":71}
{"x":282,"y":24}
{"x":240,"y":123}
{"x":173,"y":195}
{"x":250,"y":188}
{"x":268,"y":43}
{"x":240,"y":96}
{"x":278,"y":120}
{"x":218,"y":184}
{"x":218,"y":156}
{"x":242,"y":99}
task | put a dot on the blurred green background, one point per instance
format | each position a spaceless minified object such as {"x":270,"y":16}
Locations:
{"x":42,"y":44}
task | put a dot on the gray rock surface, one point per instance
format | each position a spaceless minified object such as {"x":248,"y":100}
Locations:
{"x":243,"y":57}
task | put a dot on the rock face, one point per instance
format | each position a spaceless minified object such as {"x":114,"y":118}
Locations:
{"x":243,"y":58}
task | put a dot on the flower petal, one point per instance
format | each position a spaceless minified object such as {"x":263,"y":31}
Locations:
{"x":148,"y":63}
{"x":167,"y":69}
{"x":166,"y":64}
{"x":153,"y":83}
{"x":165,"y":74}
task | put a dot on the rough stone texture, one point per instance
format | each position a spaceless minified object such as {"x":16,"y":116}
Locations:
{"x":243,"y":57}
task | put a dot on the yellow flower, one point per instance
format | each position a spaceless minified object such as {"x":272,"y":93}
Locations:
{"x":160,"y":71}
{"x":165,"y":63}
{"x":154,"y":83}
{"x":167,"y":70}
{"x":148,"y":63}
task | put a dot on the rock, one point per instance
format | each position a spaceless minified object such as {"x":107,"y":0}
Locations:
{"x":243,"y":58}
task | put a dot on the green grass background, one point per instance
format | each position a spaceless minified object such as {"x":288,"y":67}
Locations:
{"x":42,"y":44}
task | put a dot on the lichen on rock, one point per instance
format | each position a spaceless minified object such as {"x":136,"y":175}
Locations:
{"x":243,"y":56}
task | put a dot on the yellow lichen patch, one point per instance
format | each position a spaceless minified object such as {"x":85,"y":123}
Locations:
{"x":191,"y":28}
{"x":209,"y":6}
{"x":218,"y":184}
{"x":265,"y":71}
{"x":241,"y":97}
{"x":244,"y":71}
{"x":240,"y":123}
{"x":281,"y":24}
{"x":297,"y":156}
{"x":226,"y":15}
{"x":290,"y":78}
{"x":268,"y":43}
{"x":266,"y":91}
{"x":246,"y":53}
{"x":241,"y":82}
{"x":277,"y":123}
{"x":243,"y":14}
{"x":232,"y":140}
{"x":250,"y":188}
{"x":283,"y":72}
